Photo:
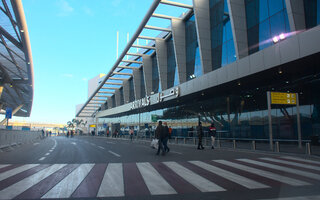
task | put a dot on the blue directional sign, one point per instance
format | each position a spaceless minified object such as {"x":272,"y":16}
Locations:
{"x":9,"y":113}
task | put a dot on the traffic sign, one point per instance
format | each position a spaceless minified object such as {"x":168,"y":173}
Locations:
{"x":283,"y":98}
{"x":8,"y":113}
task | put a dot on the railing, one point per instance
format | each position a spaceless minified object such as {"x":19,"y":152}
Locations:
{"x":10,"y":138}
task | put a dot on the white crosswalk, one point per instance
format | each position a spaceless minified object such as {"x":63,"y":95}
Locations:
{"x":112,"y":183}
{"x":156,"y":178}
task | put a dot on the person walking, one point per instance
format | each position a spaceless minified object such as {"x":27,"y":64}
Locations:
{"x":213,"y":132}
{"x":166,"y":137}
{"x":131,"y":133}
{"x":159,"y":136}
{"x":200,"y":135}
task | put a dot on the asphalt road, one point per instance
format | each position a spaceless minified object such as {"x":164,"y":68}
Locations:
{"x":88,"y":167}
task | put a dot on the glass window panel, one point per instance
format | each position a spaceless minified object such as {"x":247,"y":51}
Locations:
{"x":197,"y":64}
{"x":231,"y":52}
{"x":251,"y":12}
{"x":253,"y":39}
{"x":286,"y":21}
{"x":263,"y":10}
{"x":275,"y":6}
{"x":228,"y":31}
{"x":264,"y":35}
{"x":224,"y":55}
{"x":318,"y":11}
{"x":277,"y":25}
{"x":226,"y":9}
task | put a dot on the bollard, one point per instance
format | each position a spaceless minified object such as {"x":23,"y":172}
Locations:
{"x":277,"y":147}
{"x":176,"y":140}
{"x":194,"y":141}
{"x":308,"y":148}
{"x":184,"y":140}
{"x":234,"y":144}
{"x":254,"y":145}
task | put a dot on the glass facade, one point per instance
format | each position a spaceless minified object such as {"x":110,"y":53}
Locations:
{"x":194,"y":66}
{"x":222,"y":44}
{"x":243,"y":114}
{"x":312,"y":13}
{"x":238,"y":111}
{"x":156,"y":86}
{"x":172,"y":67}
{"x":265,"y":19}
{"x":131,"y":90}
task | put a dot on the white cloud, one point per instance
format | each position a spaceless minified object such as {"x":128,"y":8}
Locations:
{"x":64,"y":8}
{"x":67,"y":75}
{"x":84,"y":79}
{"x":116,"y":3}
{"x":87,"y":11}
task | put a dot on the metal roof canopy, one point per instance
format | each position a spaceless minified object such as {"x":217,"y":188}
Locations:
{"x":16,"y":66}
{"x":143,"y":25}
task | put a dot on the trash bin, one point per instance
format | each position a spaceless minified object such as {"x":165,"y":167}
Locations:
{"x":314,"y":140}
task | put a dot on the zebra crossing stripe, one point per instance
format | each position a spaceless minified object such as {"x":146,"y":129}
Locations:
{"x":270,"y":175}
{"x":156,"y":184}
{"x":301,"y":159}
{"x":112,"y":183}
{"x":285,"y":169}
{"x":245,"y":182}
{"x":3,"y":166}
{"x":19,"y":187}
{"x":67,"y":186}
{"x":292,"y":163}
{"x":15,"y":171}
{"x":199,"y":182}
{"x":316,"y":197}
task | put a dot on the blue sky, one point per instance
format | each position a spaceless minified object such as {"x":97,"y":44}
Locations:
{"x":72,"y":41}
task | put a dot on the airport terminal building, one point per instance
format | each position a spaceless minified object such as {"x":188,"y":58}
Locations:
{"x":215,"y":63}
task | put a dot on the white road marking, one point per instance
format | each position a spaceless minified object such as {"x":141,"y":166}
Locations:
{"x":69,"y":184}
{"x":21,"y":186}
{"x":73,"y":143}
{"x":301,"y":159}
{"x":110,"y":142}
{"x":2,"y":166}
{"x":15,"y":171}
{"x":285,"y":169}
{"x":114,"y":153}
{"x":199,"y":182}
{"x":156,"y":184}
{"x":35,"y":143}
{"x":42,"y":158}
{"x":267,"y":174}
{"x":47,"y":154}
{"x":112,"y":184}
{"x":245,"y":182}
{"x":292,"y":163}
{"x":101,"y":147}
{"x":50,"y":150}
{"x":175,"y":152}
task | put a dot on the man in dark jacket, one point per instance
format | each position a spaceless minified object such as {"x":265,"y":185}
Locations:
{"x":160,"y":136}
{"x":166,"y":137}
{"x":200,"y":135}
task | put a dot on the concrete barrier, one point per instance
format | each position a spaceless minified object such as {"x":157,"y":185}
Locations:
{"x":10,"y":138}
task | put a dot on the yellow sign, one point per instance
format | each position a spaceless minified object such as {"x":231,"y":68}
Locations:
{"x":283,"y":98}
{"x":92,"y":125}
{"x":1,"y":89}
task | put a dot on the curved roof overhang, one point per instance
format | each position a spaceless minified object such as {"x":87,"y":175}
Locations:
{"x":116,"y":77}
{"x":16,"y":66}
